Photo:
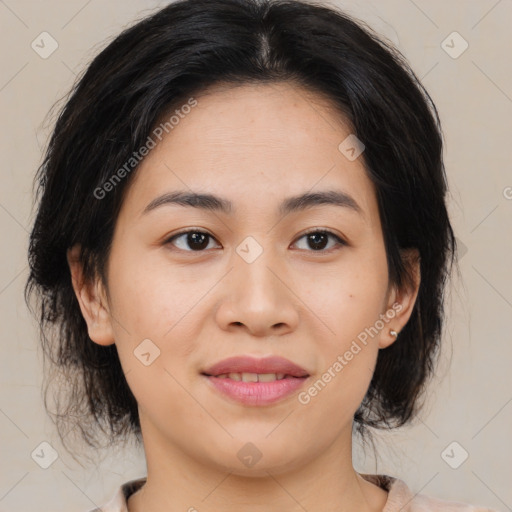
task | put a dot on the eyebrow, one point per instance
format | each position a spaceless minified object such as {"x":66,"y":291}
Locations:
{"x":214,"y":203}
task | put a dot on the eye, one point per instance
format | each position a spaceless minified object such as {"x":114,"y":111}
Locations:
{"x":318,"y":238}
{"x":196,"y":239}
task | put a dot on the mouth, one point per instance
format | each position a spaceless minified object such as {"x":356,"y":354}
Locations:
{"x":250,"y":368}
{"x":251,"y":389}
{"x":255,"y":382}
{"x":254,"y":377}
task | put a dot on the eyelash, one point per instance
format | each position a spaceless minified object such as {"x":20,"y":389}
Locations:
{"x":340,"y":241}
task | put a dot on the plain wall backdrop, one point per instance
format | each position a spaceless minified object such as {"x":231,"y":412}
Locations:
{"x":469,"y":406}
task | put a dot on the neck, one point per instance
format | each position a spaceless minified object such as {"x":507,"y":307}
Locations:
{"x":177,"y":481}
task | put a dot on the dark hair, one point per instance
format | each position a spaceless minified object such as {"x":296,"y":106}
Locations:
{"x":149,"y":70}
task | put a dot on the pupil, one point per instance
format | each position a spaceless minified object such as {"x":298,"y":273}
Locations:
{"x":195,"y":237}
{"x":313,"y":236}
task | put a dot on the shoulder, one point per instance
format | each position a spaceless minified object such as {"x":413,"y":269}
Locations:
{"x":401,"y":497}
{"x":118,"y":502}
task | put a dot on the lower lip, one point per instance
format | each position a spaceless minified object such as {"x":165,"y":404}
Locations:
{"x":256,"y":393}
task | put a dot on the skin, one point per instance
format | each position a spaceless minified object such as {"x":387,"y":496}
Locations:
{"x":254,"y":145}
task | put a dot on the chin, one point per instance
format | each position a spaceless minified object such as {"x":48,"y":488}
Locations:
{"x":257,"y":459}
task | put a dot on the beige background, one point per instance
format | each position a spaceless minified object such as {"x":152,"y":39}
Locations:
{"x":471,"y":400}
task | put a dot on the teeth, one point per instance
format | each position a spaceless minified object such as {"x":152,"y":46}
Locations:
{"x":249,"y":377}
{"x":252,"y":377}
{"x":267,"y":377}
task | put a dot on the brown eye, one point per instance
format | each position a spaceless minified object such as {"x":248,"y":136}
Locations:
{"x":198,"y":241}
{"x":319,"y":239}
{"x":195,"y":240}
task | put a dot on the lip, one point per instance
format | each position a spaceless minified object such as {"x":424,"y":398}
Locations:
{"x":248,"y":364}
{"x":256,"y":393}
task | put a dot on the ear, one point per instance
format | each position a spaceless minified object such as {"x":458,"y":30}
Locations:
{"x":92,"y":299}
{"x":401,"y":301}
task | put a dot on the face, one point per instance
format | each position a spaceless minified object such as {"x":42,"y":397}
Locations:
{"x":252,"y":279}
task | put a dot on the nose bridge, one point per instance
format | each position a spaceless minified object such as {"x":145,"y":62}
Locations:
{"x":256,"y":265}
{"x":257,"y":296}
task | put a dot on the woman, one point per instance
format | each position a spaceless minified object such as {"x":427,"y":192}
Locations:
{"x":243,"y":242}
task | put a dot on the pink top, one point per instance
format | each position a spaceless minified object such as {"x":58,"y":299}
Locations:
{"x":400,"y":498}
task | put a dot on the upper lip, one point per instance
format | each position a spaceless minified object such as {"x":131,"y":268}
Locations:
{"x":248,"y":364}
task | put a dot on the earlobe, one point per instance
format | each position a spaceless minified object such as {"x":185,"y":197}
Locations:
{"x":92,"y":300}
{"x":402,"y":301}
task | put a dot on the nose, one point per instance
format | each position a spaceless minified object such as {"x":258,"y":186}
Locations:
{"x":259,"y":298}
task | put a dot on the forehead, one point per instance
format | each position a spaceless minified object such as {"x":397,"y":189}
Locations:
{"x":254,"y":144}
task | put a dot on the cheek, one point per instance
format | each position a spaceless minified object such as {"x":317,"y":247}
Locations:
{"x":150,"y":303}
{"x":146,"y":297}
{"x":349,"y":299}
{"x":154,"y":330}
{"x":349,"y":304}
{"x":348,"y":359}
